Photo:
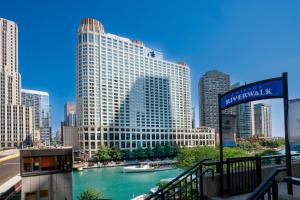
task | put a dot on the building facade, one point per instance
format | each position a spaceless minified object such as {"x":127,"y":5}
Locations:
{"x":46,"y":173}
{"x":128,"y":95}
{"x":70,"y":114}
{"x":40,"y":103}
{"x":16,"y":121}
{"x":262,"y":120}
{"x":245,"y":118}
{"x":210,"y":85}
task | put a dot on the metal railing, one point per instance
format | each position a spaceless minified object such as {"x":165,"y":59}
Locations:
{"x":268,"y":189}
{"x":187,"y":186}
{"x":243,"y":174}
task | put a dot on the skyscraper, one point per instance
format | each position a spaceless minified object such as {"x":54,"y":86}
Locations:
{"x":262,"y":120}
{"x":70,"y":114}
{"x":128,"y":95}
{"x":40,"y":103}
{"x":210,"y":85}
{"x":16,"y":123}
{"x":244,"y":113}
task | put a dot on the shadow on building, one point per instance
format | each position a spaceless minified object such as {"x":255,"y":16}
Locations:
{"x":144,"y":118}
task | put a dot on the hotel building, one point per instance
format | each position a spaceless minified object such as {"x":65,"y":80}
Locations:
{"x":262,"y":120}
{"x":16,"y":121}
{"x":128,"y":95}
{"x":39,"y":102}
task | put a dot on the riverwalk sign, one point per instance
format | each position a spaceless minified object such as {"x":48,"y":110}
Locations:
{"x":265,"y":89}
{"x":271,"y":88}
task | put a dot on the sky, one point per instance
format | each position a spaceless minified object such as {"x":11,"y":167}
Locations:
{"x":250,"y":40}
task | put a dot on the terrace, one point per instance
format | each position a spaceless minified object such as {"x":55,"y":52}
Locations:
{"x":249,"y":178}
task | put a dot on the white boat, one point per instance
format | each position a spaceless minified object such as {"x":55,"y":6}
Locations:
{"x":149,"y":167}
{"x":140,"y":197}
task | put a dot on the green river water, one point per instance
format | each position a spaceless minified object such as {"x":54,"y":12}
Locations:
{"x":117,"y":185}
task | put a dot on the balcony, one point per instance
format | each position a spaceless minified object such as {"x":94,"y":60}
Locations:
{"x":246,"y":178}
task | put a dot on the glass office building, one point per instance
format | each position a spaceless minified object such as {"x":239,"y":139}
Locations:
{"x":40,"y":103}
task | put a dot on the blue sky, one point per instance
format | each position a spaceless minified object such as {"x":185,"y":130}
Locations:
{"x":250,"y":40}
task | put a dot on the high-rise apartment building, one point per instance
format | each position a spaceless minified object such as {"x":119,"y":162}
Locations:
{"x":40,"y":103}
{"x":262,"y":120}
{"x":210,"y":85}
{"x":128,"y":95}
{"x":245,"y":115}
{"x":16,"y":123}
{"x":70,"y":114}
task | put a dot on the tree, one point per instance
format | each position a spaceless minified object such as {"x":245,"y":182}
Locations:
{"x":149,"y":152}
{"x":115,"y":153}
{"x":127,"y":155}
{"x":103,"y":153}
{"x":140,"y":153}
{"x":90,"y":194}
{"x":158,"y":151}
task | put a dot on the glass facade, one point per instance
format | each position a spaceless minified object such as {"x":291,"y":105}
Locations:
{"x":39,"y":101}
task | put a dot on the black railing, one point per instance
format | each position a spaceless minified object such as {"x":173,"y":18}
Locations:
{"x":278,"y":159}
{"x":187,"y":186}
{"x":268,"y":189}
{"x":243,"y":174}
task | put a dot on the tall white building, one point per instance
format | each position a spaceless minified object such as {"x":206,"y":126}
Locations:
{"x":16,"y":122}
{"x":127,"y":94}
{"x":262,"y":120}
{"x":40,"y":103}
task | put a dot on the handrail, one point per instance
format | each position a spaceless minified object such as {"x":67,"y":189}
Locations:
{"x":293,"y":180}
{"x":216,"y":162}
{"x":176,"y":179}
{"x":263,"y":186}
{"x":278,"y":156}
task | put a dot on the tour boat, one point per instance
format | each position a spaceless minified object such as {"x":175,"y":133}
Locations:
{"x":149,"y":166}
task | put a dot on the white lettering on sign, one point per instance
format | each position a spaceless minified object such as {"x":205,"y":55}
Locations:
{"x":245,"y":95}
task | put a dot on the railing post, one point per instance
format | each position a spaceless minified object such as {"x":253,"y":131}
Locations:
{"x":201,"y":183}
{"x":274,"y":190}
{"x":228,"y":175}
{"x":258,"y":169}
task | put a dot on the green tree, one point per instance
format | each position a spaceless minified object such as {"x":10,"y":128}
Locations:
{"x":127,"y":155}
{"x":158,"y":151}
{"x":90,"y":194}
{"x":149,"y":152}
{"x":115,"y":153}
{"x":103,"y":153}
{"x":140,"y":153}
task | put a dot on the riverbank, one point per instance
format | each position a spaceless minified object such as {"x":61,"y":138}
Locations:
{"x":91,"y":165}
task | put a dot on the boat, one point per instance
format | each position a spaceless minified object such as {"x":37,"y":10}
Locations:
{"x":150,"y":166}
{"x":140,"y":197}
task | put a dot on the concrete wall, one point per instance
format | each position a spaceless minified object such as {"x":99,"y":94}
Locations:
{"x":59,"y":186}
{"x":212,"y":186}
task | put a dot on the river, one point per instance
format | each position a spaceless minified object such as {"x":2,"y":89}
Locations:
{"x":114,"y":184}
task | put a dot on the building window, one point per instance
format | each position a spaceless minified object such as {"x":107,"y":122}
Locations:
{"x":48,"y":163}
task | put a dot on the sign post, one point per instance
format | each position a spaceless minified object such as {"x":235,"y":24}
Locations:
{"x":265,"y":89}
{"x":287,"y":141}
{"x":221,"y":145}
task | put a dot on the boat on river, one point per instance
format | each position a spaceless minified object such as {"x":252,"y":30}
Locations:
{"x":150,"y":166}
